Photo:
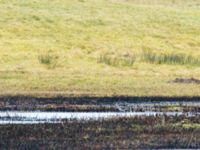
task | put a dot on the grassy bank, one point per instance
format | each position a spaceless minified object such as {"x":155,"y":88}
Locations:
{"x":101,"y":48}
{"x":117,"y":133}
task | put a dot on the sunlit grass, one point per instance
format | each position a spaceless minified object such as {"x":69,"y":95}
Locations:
{"x":116,"y":59}
{"x":99,"y":46}
{"x":49,"y":58}
{"x":170,"y":58}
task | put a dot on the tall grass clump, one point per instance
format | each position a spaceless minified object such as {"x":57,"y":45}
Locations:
{"x":169,"y":58}
{"x":117,"y":59}
{"x":49,"y":59}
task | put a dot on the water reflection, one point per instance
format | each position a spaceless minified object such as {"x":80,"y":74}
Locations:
{"x":18,"y":117}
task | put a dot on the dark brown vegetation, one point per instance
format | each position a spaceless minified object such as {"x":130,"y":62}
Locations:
{"x":181,"y":80}
{"x":118,"y":133}
{"x":85,"y":104}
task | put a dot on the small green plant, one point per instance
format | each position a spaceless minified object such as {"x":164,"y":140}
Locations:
{"x":116,"y":59}
{"x":36,"y":18}
{"x":49,"y":59}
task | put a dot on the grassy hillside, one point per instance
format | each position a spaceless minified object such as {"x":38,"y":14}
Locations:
{"x":99,"y":47}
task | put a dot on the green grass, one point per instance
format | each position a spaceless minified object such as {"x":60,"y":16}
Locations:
{"x":99,"y":47}
{"x":115,"y":59}
{"x":49,"y":59}
{"x":170,"y":58}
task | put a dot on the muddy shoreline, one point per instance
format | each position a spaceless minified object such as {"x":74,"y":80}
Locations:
{"x":99,"y":104}
{"x":139,"y":132}
{"x":118,"y":133}
{"x":94,"y":100}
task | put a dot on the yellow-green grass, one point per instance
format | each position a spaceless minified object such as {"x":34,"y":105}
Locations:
{"x":99,"y":47}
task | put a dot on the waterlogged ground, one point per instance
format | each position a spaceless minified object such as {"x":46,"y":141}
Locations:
{"x":35,"y":111}
{"x":105,"y":104}
{"x":14,"y":117}
{"x":117,"y":133}
{"x":99,"y":123}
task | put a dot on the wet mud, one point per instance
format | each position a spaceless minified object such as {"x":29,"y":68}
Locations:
{"x":100,"y":104}
{"x":117,"y":133}
{"x":186,"y":81}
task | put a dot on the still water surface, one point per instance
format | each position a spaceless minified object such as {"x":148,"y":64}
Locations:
{"x":19,"y":117}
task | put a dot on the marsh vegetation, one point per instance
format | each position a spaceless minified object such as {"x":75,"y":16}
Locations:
{"x":116,"y":133}
{"x":84,"y":56}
